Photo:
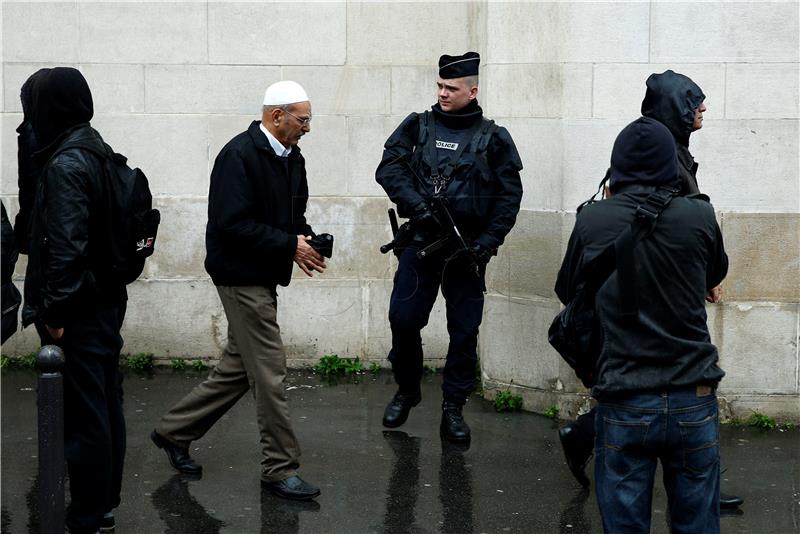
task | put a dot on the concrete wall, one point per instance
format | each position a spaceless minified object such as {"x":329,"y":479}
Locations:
{"x":172,"y":82}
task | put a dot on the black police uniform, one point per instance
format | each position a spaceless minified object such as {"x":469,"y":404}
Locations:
{"x":482,"y":195}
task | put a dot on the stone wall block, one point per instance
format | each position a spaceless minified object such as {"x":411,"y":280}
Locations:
{"x":152,"y":32}
{"x":406,"y":34}
{"x":534,"y":249}
{"x":172,"y":150}
{"x":540,"y":145}
{"x":538,"y":90}
{"x":758,"y":349}
{"x":764,"y":255}
{"x":359,"y":226}
{"x":319,"y":317}
{"x":207,"y":88}
{"x":324,"y":149}
{"x":40,"y":31}
{"x":763,"y":32}
{"x":776,"y":97}
{"x":365,"y":139}
{"x":537,"y":32}
{"x":277,"y":33}
{"x":177,"y":318}
{"x":414,"y":88}
{"x":513,"y":342}
{"x":619,"y":88}
{"x":115,"y":88}
{"x":347,"y":90}
{"x":749,"y":165}
{"x":180,"y":248}
{"x":587,"y":155}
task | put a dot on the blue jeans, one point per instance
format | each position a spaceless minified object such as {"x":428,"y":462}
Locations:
{"x":680,"y":428}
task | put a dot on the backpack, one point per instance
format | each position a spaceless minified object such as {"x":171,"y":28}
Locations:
{"x":133,"y":220}
{"x":130,"y":223}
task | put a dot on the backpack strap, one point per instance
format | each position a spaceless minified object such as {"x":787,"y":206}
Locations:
{"x":643,"y":224}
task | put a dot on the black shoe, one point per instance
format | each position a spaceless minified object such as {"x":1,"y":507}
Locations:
{"x":178,"y":456}
{"x":293,"y":488}
{"x":576,"y":452}
{"x":396,"y":412}
{"x":453,"y":427}
{"x":729,"y":501}
{"x":107,"y":524}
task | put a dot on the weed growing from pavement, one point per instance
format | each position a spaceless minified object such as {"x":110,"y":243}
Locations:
{"x":761,"y":421}
{"x":199,"y":366}
{"x":178,"y":364}
{"x":332,"y":365}
{"x":140,"y":362}
{"x":374,"y":368}
{"x":551,"y":412}
{"x":505,"y":401}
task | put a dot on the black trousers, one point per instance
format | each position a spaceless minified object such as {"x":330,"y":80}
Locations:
{"x":416,"y":286}
{"x":94,"y":425}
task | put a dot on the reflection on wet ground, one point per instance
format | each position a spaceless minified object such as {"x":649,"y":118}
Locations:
{"x":511,"y":479}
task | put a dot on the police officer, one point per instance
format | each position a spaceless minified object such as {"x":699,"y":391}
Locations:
{"x":455,"y":175}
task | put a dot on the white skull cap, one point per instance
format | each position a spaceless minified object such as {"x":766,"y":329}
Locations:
{"x":284,"y":92}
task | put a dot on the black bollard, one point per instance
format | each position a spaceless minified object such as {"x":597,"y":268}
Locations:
{"x":50,"y":398}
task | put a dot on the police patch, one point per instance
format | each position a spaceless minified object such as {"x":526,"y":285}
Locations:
{"x":446,"y":145}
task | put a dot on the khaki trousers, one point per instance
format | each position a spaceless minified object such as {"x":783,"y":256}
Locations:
{"x":253,"y":359}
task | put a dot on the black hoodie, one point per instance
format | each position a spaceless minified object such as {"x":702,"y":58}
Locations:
{"x":672,"y":99}
{"x":667,"y":344}
{"x":68,"y":273}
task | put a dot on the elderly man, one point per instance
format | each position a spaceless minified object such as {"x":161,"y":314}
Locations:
{"x":455,"y":174}
{"x":256,"y":229}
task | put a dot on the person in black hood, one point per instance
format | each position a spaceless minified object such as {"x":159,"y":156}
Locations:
{"x":70,"y":294}
{"x":28,"y":166}
{"x":450,"y":156}
{"x":678,"y":103}
{"x":657,"y":372}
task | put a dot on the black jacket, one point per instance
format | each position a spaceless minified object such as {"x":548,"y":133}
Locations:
{"x":672,"y":99}
{"x":486,"y":190}
{"x":668,"y":344}
{"x":256,"y":208}
{"x":68,"y":273}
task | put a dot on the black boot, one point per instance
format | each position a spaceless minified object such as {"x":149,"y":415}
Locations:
{"x":397,"y":410}
{"x":577,"y":451}
{"x":729,"y":501}
{"x":453,"y":427}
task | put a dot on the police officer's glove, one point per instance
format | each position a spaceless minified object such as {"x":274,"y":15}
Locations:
{"x":481,"y":254}
{"x":423,"y":220}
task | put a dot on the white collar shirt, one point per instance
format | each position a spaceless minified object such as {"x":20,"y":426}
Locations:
{"x":276,"y":145}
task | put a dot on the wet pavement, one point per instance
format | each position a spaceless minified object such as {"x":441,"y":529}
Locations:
{"x":511,"y":479}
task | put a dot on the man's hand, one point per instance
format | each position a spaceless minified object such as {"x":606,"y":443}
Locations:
{"x":307,"y":258}
{"x":714,"y":295}
{"x":55,"y":333}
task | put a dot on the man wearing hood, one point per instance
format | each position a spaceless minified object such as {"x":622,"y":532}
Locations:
{"x":657,"y":373}
{"x":455,"y":174}
{"x":677,"y":102}
{"x":71,"y":294}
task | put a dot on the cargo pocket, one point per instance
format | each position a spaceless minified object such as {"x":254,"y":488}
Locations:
{"x":624,"y":445}
{"x":700,"y":441}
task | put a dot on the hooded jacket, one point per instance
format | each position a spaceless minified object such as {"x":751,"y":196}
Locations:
{"x":67,"y":274}
{"x":666,"y":344}
{"x":672,"y":99}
